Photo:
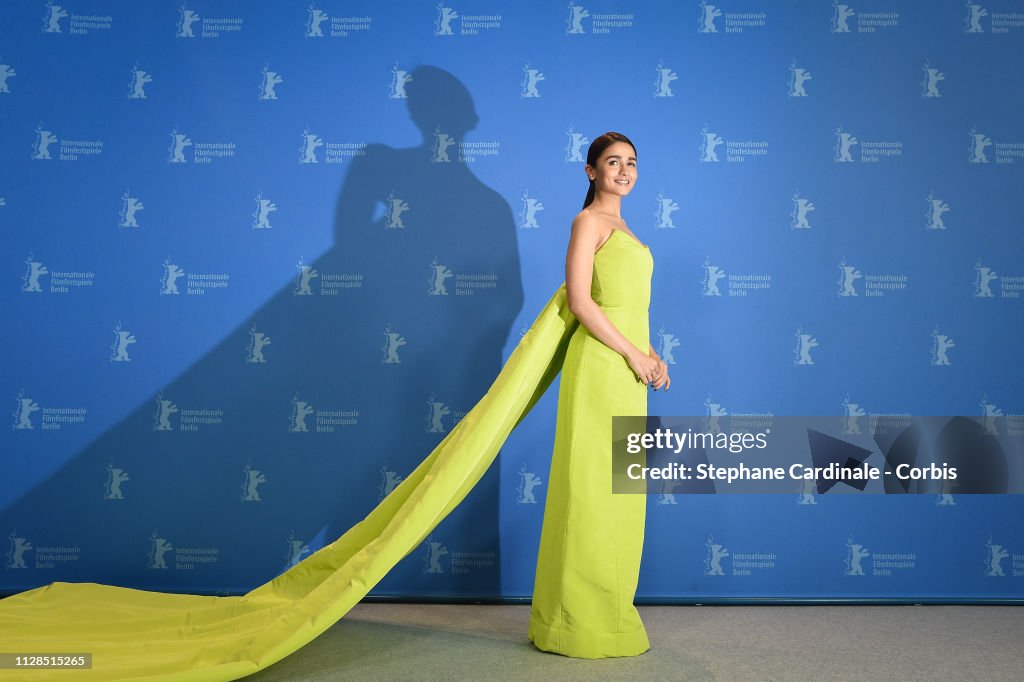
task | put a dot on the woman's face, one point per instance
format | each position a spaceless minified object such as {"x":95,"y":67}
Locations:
{"x":615,"y":171}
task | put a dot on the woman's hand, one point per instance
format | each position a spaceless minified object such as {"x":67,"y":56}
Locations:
{"x":662,"y":378}
{"x":645,"y":367}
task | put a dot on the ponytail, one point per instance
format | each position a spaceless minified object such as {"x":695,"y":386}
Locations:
{"x":590,"y":195}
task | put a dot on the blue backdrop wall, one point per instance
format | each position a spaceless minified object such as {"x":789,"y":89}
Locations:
{"x":258,"y":258}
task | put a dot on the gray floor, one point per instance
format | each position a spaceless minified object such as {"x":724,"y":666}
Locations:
{"x":488,"y":642}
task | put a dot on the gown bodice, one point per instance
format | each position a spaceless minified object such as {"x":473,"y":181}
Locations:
{"x":621,"y":285}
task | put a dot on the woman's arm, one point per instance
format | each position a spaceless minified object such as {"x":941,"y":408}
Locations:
{"x":579,"y":269}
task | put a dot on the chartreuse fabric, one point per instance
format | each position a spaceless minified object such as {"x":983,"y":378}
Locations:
{"x":590,"y":547}
{"x":591,"y":541}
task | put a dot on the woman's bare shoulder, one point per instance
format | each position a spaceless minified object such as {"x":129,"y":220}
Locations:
{"x":588,"y":231}
{"x":587,"y":223}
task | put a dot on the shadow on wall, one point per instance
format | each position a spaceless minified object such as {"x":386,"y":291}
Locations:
{"x":390,"y":350}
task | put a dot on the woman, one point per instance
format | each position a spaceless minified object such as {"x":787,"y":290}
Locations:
{"x":135,"y":633}
{"x":591,"y":541}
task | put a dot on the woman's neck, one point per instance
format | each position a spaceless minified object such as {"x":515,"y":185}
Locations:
{"x":609,"y":204}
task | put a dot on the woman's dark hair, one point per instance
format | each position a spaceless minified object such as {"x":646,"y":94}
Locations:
{"x":597,"y":148}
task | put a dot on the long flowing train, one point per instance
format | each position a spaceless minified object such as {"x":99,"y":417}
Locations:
{"x":140,"y":635}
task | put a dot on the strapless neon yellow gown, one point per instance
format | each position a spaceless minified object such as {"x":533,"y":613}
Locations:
{"x":591,"y":542}
{"x":141,"y":635}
